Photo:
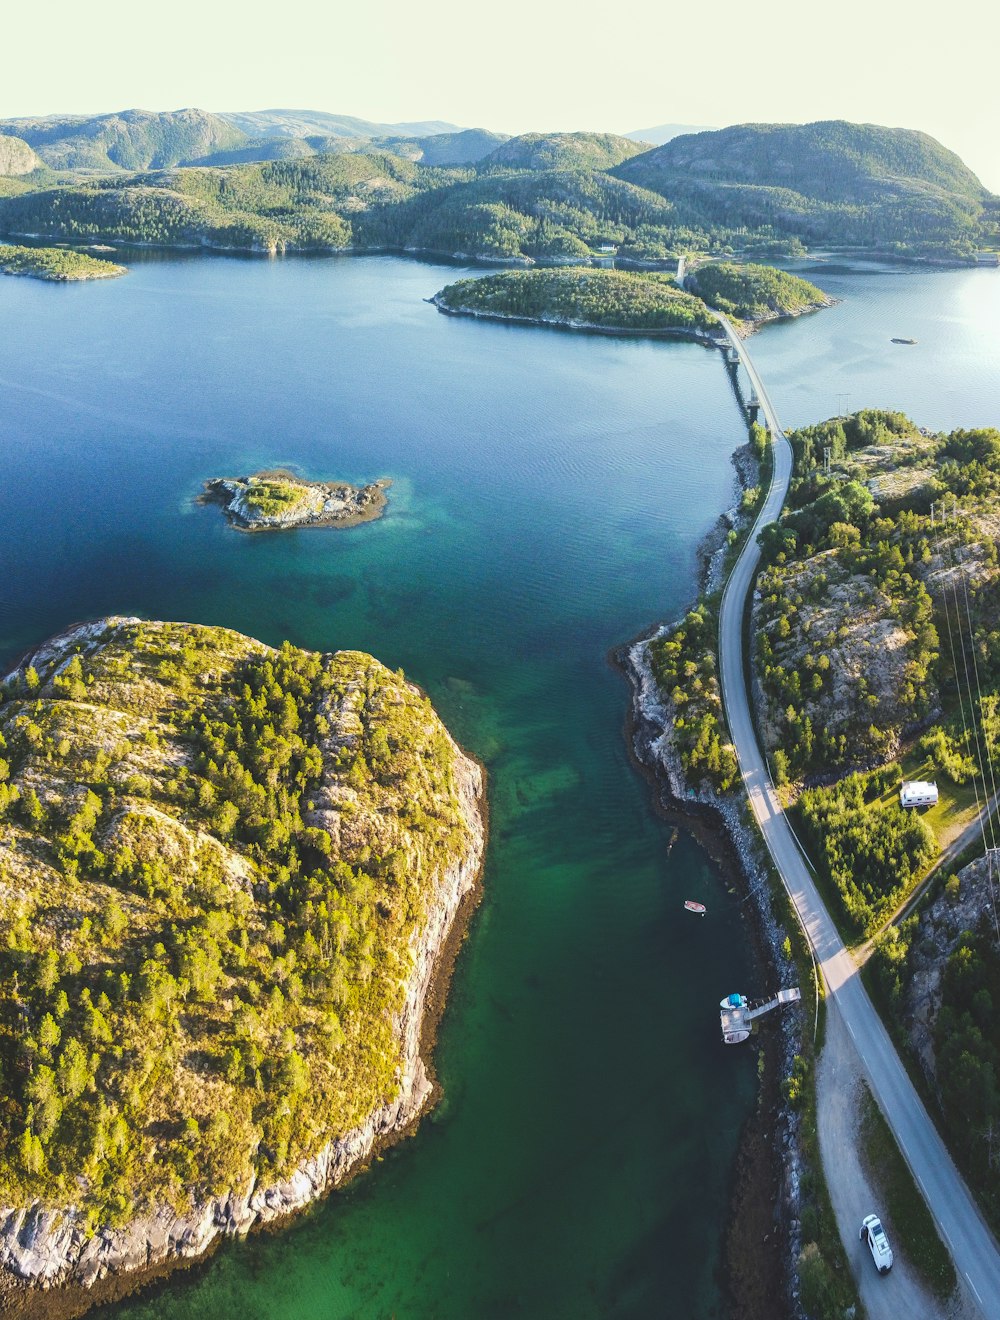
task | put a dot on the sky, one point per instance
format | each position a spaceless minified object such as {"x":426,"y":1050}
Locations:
{"x":528,"y":64}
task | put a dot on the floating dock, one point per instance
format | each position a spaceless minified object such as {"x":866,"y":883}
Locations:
{"x":736,"y":1012}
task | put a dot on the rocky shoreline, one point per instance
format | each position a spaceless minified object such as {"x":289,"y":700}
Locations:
{"x":586,"y":327}
{"x":304,"y":503}
{"x":51,"y":1265}
{"x":743,"y":328}
{"x":766,"y":1203}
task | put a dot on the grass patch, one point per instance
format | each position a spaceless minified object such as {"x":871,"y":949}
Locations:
{"x":906,"y":1209}
{"x":872,"y":851}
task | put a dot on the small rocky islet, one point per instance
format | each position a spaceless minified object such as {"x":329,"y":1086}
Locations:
{"x":278,"y":500}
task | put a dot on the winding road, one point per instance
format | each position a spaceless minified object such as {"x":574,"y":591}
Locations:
{"x":973,"y":1248}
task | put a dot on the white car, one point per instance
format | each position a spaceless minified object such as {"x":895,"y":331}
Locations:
{"x":878,"y":1243}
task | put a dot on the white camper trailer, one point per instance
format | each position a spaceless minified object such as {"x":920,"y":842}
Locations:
{"x":918,"y":793}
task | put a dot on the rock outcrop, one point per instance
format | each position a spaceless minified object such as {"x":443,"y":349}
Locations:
{"x":274,"y":501}
{"x":16,"y":157}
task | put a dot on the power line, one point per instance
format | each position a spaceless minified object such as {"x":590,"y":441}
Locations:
{"x":954,"y":664}
{"x":979,"y":693}
{"x":980,"y":808}
{"x":968,"y":684}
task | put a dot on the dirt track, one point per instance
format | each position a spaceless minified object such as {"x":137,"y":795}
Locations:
{"x":901,"y":1293}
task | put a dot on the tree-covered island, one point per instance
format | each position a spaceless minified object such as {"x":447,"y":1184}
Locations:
{"x":229,"y":875}
{"x":278,"y":500}
{"x":60,"y":264}
{"x":753,"y":293}
{"x":634,"y":302}
{"x":598,"y":299}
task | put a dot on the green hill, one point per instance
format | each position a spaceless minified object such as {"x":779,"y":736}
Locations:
{"x":539,"y":215}
{"x":463,"y":148}
{"x":131,"y":140}
{"x":352,"y":199}
{"x":441,"y":149}
{"x":259,"y":151}
{"x":562,"y":151}
{"x":271,"y":207}
{"x":832,"y":181}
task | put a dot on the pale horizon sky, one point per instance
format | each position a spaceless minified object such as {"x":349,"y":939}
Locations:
{"x":529,"y":66}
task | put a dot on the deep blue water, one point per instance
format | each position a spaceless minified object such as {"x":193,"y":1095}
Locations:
{"x":549,"y":492}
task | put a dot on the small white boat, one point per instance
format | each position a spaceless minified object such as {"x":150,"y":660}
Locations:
{"x":692,"y":906}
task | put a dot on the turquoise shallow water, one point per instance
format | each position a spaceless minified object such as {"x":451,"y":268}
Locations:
{"x":549,"y":494}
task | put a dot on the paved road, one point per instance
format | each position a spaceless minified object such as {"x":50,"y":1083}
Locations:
{"x":972,"y":1245}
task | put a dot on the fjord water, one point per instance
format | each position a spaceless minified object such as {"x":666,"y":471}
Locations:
{"x":549,"y":494}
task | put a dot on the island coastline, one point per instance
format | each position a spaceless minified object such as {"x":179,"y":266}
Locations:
{"x":251,"y":504}
{"x":51,"y":1266}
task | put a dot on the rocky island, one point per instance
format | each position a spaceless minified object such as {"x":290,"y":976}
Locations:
{"x":230,"y":874}
{"x":60,"y":264}
{"x":274,"y":501}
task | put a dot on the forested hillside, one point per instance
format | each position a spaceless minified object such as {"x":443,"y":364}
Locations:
{"x":562,"y":151}
{"x":131,"y":140}
{"x":833,"y":182}
{"x":753,"y":189}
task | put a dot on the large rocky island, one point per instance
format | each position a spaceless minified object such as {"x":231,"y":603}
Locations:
{"x":229,"y":876}
{"x":274,"y":501}
{"x":636,"y":302}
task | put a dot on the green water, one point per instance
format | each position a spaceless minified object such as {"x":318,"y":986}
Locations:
{"x":549,"y":494}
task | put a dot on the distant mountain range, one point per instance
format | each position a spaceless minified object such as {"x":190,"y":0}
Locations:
{"x":665,"y":132}
{"x":129,"y":140}
{"x":143,"y":139}
{"x":317,"y":123}
{"x":536,"y":197}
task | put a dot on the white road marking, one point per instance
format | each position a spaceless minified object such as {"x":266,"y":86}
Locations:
{"x":974,"y":1288}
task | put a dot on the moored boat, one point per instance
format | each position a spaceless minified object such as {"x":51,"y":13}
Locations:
{"x":692,"y":906}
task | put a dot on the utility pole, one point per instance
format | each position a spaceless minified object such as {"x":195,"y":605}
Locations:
{"x":826,"y":460}
{"x":843,"y":404}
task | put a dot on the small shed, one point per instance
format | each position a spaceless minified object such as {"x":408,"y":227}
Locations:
{"x":918,"y":793}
